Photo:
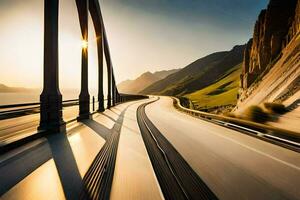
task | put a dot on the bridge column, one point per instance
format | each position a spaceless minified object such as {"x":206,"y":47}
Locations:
{"x":109,"y":86}
{"x":84,"y":96}
{"x":109,"y":68}
{"x":100,"y":74}
{"x":94,"y":8}
{"x":118,"y":97}
{"x":116,"y":94}
{"x":51,"y":98}
{"x":113,"y":90}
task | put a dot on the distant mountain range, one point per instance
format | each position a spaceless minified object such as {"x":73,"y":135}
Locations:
{"x":137,"y":85}
{"x":7,"y":89}
{"x":199,"y":74}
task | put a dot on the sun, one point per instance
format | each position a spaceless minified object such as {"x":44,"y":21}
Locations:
{"x":84,"y":44}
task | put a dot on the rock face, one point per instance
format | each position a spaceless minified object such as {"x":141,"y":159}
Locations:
{"x":295,"y":27}
{"x":275,"y":28}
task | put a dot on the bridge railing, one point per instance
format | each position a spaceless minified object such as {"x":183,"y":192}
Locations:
{"x":249,"y":125}
{"x":130,"y":97}
{"x":10,"y":141}
{"x":16,"y":110}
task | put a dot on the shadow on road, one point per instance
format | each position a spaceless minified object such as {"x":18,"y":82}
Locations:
{"x":101,"y":130}
{"x":66,"y":165}
{"x":21,"y":162}
{"x":30,"y":157}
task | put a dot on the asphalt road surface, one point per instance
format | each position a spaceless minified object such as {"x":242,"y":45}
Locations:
{"x":232,"y":164}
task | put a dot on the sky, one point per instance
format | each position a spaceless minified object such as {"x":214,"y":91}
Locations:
{"x":144,"y":35}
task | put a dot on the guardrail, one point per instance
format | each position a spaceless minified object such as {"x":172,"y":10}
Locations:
{"x":14,"y":110}
{"x":276,"y":133}
{"x":131,"y":97}
{"x":16,"y":140}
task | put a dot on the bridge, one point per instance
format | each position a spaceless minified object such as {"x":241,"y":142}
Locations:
{"x":127,"y":146}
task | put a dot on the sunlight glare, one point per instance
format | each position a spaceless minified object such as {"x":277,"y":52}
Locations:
{"x":84,"y":44}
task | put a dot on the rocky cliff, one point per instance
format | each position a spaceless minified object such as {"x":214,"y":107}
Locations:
{"x":271,"y":66}
{"x":274,"y":29}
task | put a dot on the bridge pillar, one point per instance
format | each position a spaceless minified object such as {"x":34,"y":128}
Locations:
{"x":109,"y":68}
{"x":115,"y":94}
{"x":84,"y":96}
{"x":100,"y":74}
{"x":118,"y":97}
{"x":51,"y":99}
{"x":109,"y":86}
{"x":113,"y":90}
{"x":94,"y":8}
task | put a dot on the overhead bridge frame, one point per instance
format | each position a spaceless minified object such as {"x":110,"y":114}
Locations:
{"x":51,"y":98}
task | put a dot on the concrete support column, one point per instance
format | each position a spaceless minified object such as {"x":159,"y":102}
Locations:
{"x":109,"y":68}
{"x":119,"y":97}
{"x":113,"y":90}
{"x":94,"y":8}
{"x":100,"y":74}
{"x":116,"y":95}
{"x":84,"y":97}
{"x":51,"y":98}
{"x":109,"y":87}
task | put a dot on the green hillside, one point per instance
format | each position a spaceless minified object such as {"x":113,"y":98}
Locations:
{"x":197,"y":75}
{"x":221,"y":93}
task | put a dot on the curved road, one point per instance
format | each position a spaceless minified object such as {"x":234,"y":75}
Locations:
{"x":232,"y":164}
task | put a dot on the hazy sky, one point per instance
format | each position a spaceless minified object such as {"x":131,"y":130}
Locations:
{"x":144,"y":35}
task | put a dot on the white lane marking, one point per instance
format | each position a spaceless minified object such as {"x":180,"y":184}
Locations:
{"x":250,"y":148}
{"x":259,"y":152}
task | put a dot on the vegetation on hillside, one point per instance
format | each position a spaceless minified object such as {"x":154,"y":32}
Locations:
{"x":262,"y":113}
{"x":197,"y":75}
{"x":256,"y":114}
{"x":275,"y":108}
{"x":220,"y":95}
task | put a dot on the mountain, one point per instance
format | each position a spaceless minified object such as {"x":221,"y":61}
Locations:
{"x":271,"y":66}
{"x":164,"y":73}
{"x":198,"y":74}
{"x":221,"y":96}
{"x":270,"y":37}
{"x":7,"y":89}
{"x":143,"y":81}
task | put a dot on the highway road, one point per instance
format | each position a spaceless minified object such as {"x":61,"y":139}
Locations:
{"x":196,"y":158}
{"x":62,"y":161}
{"x":232,"y":164}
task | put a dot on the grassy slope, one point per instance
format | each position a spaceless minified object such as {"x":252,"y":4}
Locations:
{"x":223,"y":92}
{"x":174,"y":84}
{"x":199,"y":74}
